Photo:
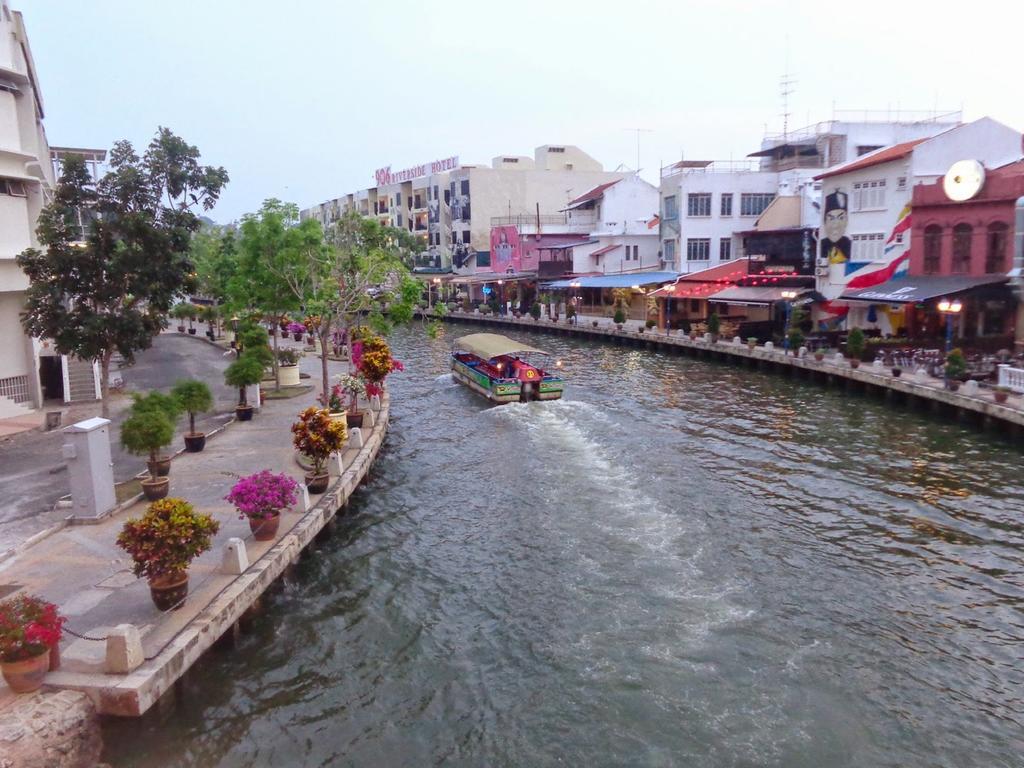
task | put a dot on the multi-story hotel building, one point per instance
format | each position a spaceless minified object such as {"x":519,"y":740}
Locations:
{"x":451,"y":206}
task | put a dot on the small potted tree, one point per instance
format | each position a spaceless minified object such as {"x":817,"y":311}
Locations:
{"x":170,"y":407}
{"x":180,"y":312}
{"x":316,"y":436}
{"x":855,"y":347}
{"x":193,"y":313}
{"x":651,"y":324}
{"x":30,"y":628}
{"x":795,"y":339}
{"x":163,"y":543}
{"x":714,"y":325}
{"x":146,"y":432}
{"x":288,"y":367}
{"x":1000,"y":394}
{"x":535,"y":312}
{"x":246,"y":371}
{"x":956,"y":369}
{"x":819,"y":354}
{"x":194,"y":397}
{"x":260,"y":499}
{"x":619,"y":318}
{"x":751,"y":342}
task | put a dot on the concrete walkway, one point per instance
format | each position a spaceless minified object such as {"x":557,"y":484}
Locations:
{"x":82,"y":570}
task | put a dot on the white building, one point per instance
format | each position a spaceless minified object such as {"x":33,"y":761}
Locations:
{"x":706,"y":206}
{"x":866,"y":219}
{"x":617,"y":217}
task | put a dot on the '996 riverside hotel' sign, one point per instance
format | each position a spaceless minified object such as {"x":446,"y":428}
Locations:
{"x":384,"y":176}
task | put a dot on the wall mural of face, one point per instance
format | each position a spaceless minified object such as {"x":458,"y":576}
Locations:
{"x":835,"y":245}
{"x":835,"y":224}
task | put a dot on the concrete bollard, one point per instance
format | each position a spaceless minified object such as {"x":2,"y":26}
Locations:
{"x":921,"y":374}
{"x":124,"y":650}
{"x":369,"y":418}
{"x":306,"y":501}
{"x":375,"y":403}
{"x":337,"y":466}
{"x":878,"y":365}
{"x":737,"y":341}
{"x":235,"y":558}
{"x":802,"y":352}
{"x":970,"y":388}
{"x":837,"y":357}
{"x":355,"y":437}
{"x":769,"y":346}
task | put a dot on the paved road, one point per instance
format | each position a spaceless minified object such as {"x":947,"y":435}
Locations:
{"x":34,"y":476}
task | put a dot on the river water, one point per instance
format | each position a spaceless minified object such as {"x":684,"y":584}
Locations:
{"x":682,"y":563}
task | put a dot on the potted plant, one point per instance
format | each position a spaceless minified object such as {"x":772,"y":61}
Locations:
{"x":594,"y":323}
{"x":619,"y":318}
{"x":288,"y":366}
{"x":296,"y":330}
{"x":373,"y":360}
{"x":209,"y":315}
{"x":795,"y":337}
{"x":535,"y":312}
{"x":855,"y":347}
{"x":714,"y":325}
{"x":163,"y":543}
{"x":146,"y":432}
{"x":819,"y":354}
{"x":260,"y":498}
{"x":1000,"y":393}
{"x":170,"y":407}
{"x":352,"y":387}
{"x":30,"y":628}
{"x":246,"y":371}
{"x":651,"y":323}
{"x":179,"y":312}
{"x":316,"y":436}
{"x":193,"y":313}
{"x":897,"y":371}
{"x":194,"y":397}
{"x":751,"y":342}
{"x":956,"y":368}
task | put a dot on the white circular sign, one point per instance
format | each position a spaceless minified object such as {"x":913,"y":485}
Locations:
{"x":963,"y":180}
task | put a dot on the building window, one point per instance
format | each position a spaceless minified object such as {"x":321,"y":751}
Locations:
{"x":556,"y":149}
{"x":932,"y":249}
{"x":698,"y":249}
{"x":409,"y":201}
{"x":725,"y":249}
{"x":863,"y":149}
{"x":726,"y":205}
{"x":901,"y":183}
{"x":12,"y":187}
{"x":671,"y":209}
{"x":867,"y":247}
{"x":995,"y":253}
{"x":754,"y":203}
{"x":419,"y":202}
{"x":465,"y":236}
{"x":399,"y":220}
{"x":869,"y":195}
{"x":698,"y":204}
{"x":962,"y":234}
{"x":636,"y":253}
{"x":464,"y":187}
{"x":447,"y":197}
{"x":510,"y":160}
{"x":398,"y":199}
{"x":668,"y":252}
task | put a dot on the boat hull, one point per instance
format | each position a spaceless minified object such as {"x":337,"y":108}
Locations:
{"x":496,"y":392}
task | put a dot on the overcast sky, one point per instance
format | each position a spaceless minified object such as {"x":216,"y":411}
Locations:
{"x":303,"y":100}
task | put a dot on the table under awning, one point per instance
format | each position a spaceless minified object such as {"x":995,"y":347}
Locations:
{"x":910,"y":290}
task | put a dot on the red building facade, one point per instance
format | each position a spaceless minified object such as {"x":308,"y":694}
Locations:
{"x":969,"y":238}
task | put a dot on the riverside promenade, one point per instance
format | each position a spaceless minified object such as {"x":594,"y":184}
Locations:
{"x":82,"y":570}
{"x":971,"y":402}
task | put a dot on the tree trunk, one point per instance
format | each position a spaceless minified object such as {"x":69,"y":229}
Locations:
{"x":325,"y":331}
{"x":105,"y":383}
{"x":191,"y":423}
{"x":277,"y":373}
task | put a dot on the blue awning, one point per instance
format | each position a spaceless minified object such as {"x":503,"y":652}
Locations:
{"x":615,"y":281}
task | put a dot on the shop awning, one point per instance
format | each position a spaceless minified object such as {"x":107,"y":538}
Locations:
{"x":752,"y":295}
{"x":907,"y":290}
{"x":491,"y":345}
{"x":491,"y":277}
{"x":700,"y":284}
{"x":565,"y":246}
{"x":624,"y":280}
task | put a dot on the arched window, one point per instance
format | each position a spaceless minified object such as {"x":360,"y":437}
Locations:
{"x":932,"y":249}
{"x":995,"y":252}
{"x":962,"y":235}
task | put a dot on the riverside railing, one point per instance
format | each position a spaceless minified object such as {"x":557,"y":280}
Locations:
{"x":1012,"y":378}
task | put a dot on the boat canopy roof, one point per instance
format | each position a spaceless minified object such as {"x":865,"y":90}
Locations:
{"x":490,"y":345}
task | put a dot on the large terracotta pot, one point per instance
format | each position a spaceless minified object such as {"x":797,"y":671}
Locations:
{"x":156,"y":489}
{"x":27,"y":675}
{"x":243,"y":412}
{"x":1000,"y":397}
{"x":264,"y":528}
{"x":354,"y":419}
{"x":297,"y":336}
{"x":195,"y":443}
{"x":317,"y":483}
{"x":159,"y":468}
{"x":341,"y":416}
{"x":169,"y":592}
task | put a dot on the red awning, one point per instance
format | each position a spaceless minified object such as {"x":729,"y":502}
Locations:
{"x":696,"y":285}
{"x":606,"y":249}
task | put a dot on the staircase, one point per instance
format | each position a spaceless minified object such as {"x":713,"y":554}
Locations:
{"x":81,"y":380}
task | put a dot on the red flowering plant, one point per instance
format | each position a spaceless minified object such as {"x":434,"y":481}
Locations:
{"x":263,"y":495}
{"x":317,"y":436}
{"x":29,"y":626}
{"x":167,"y":538}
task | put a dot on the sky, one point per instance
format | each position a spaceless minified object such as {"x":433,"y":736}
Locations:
{"x":302,"y":101}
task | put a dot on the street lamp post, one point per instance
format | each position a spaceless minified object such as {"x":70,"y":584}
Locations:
{"x":788,"y":296}
{"x":950,"y":309}
{"x":501,"y":296}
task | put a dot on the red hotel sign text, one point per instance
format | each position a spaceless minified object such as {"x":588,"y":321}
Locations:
{"x":384,"y":176}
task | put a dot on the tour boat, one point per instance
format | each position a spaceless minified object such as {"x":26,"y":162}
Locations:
{"x":492,"y":365}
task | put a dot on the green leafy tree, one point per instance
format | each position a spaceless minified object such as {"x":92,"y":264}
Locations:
{"x":244,"y":372}
{"x":855,"y":344}
{"x":193,"y":396}
{"x":145,"y":432}
{"x":115,"y":252}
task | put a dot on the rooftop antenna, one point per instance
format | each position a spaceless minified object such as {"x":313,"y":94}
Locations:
{"x":638,"y":131}
{"x":786,"y":83}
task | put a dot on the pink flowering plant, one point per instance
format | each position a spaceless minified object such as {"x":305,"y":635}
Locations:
{"x":296,"y":328}
{"x":263,"y":495}
{"x":29,"y":626}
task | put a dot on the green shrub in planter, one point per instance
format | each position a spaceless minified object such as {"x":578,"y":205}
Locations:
{"x":535,"y":311}
{"x":714,"y":324}
{"x":145,"y":432}
{"x":620,"y":316}
{"x":650,"y":323}
{"x":194,"y":397}
{"x":956,"y":365}
{"x":244,"y":372}
{"x":855,"y":344}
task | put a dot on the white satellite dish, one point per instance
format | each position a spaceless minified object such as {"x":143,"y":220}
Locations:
{"x":963,"y":180}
